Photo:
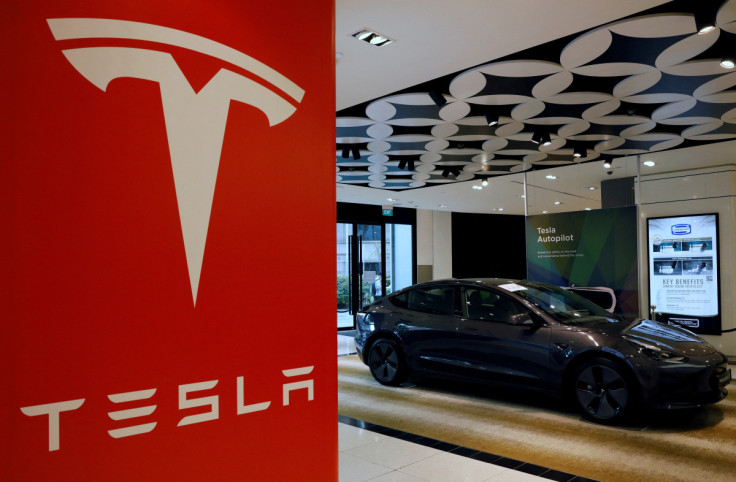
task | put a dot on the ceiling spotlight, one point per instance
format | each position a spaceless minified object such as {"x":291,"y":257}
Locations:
{"x":438,"y":98}
{"x":484,"y":182}
{"x":478,"y":187}
{"x":648,"y":163}
{"x":492,"y":119}
{"x":356,"y":152}
{"x":587,"y":209}
{"x":607,"y":164}
{"x":704,"y":22}
{"x":345,"y":152}
{"x":550,"y":176}
{"x":579,"y":152}
{"x":373,"y":38}
{"x":500,"y":209}
{"x":558,"y":203}
{"x":727,"y":63}
{"x":592,"y":188}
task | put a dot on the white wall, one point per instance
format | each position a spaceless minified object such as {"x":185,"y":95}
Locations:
{"x":442,"y":245}
{"x":710,"y":190}
{"x":434,"y":242}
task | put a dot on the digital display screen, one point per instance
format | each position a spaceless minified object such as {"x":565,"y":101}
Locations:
{"x":683,"y":271}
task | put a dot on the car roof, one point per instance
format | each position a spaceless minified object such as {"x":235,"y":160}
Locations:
{"x":464,"y":281}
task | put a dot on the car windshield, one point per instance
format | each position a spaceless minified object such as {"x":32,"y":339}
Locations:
{"x":561,"y":304}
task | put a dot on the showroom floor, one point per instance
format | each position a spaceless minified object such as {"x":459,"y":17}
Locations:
{"x":536,"y":436}
{"x":371,"y":452}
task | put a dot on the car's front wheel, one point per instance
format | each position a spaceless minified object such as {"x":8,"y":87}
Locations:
{"x":386,"y":362}
{"x":603,"y":391}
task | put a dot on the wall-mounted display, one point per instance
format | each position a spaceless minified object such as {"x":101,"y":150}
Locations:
{"x":683,"y":271}
{"x":591,"y":252}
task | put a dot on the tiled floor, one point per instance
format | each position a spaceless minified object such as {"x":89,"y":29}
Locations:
{"x":369,"y":455}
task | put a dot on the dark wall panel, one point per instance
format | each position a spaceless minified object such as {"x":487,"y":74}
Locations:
{"x":488,"y":245}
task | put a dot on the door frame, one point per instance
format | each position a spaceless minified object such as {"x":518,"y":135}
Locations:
{"x":349,"y":213}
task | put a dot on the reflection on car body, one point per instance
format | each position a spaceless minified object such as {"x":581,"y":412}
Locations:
{"x":538,"y":336}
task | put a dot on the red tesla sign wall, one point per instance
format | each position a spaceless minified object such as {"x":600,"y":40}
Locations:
{"x":167,"y":203}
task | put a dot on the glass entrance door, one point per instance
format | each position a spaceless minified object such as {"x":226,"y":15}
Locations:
{"x":360,"y":269}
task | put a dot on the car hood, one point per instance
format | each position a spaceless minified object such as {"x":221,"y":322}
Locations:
{"x":669,"y":337}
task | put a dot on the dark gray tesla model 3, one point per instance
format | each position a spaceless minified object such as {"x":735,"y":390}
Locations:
{"x":538,"y":336}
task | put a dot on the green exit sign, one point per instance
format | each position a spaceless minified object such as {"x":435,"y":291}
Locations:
{"x":388,"y":211}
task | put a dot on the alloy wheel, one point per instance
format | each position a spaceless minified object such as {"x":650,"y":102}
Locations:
{"x":384,"y":362}
{"x":602,"y":392}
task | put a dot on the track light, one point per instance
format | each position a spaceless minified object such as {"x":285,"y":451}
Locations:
{"x":492,"y":119}
{"x":345,"y":152}
{"x":579,"y":152}
{"x":438,"y":98}
{"x":455,"y":171}
{"x":704,"y":21}
{"x":607,"y":163}
{"x":484,"y":182}
{"x":727,"y":62}
{"x":541,"y":137}
{"x":356,"y":152}
{"x":406,"y":162}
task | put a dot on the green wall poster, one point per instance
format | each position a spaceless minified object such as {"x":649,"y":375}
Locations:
{"x":592,"y":251}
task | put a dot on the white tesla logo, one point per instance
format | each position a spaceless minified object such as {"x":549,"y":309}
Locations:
{"x":195,"y":121}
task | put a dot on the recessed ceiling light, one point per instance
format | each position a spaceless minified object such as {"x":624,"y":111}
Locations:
{"x":484,"y":182}
{"x":545,"y":212}
{"x":592,"y":188}
{"x":648,"y":163}
{"x":373,"y":38}
{"x":587,"y":209}
{"x":443,"y":205}
{"x":500,"y":209}
{"x":550,"y":176}
{"x":558,"y":202}
{"x":390,"y":199}
{"x":477,"y":186}
{"x":523,"y":196}
{"x":727,"y":63}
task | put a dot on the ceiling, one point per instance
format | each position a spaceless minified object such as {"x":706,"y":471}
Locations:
{"x":630,"y":80}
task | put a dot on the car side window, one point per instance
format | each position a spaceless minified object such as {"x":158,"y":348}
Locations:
{"x":486,"y":305}
{"x":438,"y":300}
{"x":401,"y":300}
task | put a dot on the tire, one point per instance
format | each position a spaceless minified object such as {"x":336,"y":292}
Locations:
{"x":603,"y":391}
{"x":386,"y":362}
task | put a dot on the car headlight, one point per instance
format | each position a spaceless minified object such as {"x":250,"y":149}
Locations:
{"x":364,"y":321}
{"x":657,"y":353}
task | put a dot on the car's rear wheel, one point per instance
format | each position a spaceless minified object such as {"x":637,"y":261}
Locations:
{"x":603,"y":391}
{"x":386,"y":362}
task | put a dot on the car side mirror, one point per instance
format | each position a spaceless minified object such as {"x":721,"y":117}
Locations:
{"x":522,"y":319}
